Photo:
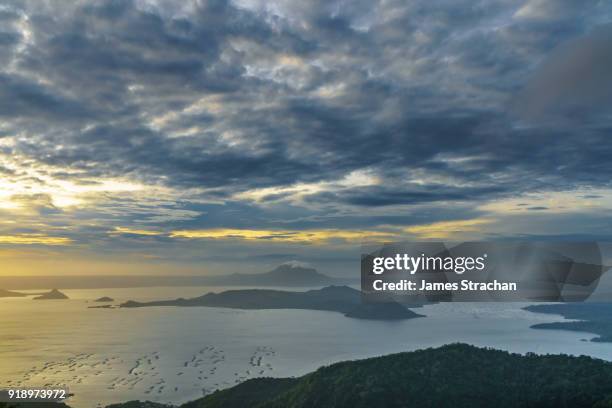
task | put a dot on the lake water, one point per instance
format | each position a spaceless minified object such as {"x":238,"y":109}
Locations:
{"x":177,"y":354}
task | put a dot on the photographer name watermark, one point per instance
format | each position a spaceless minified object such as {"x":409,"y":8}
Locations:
{"x":482,"y":271}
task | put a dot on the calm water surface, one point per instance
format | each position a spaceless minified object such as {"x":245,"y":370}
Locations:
{"x":170,"y":354}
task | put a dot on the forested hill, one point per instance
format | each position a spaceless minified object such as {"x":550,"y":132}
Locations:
{"x":452,"y":376}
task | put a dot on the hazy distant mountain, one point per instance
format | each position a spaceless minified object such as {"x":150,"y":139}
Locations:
{"x":53,"y":294}
{"x":292,"y":274}
{"x":288,"y":274}
{"x":334,"y":298}
{"x":8,"y":293}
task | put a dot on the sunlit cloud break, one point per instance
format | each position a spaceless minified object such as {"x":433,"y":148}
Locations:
{"x":33,"y":239}
{"x":292,"y":236}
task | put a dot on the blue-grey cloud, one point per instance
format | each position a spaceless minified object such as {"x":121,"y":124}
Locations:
{"x":219,"y":98}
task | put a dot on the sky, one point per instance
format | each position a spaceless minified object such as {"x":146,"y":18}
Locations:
{"x":159,"y":137}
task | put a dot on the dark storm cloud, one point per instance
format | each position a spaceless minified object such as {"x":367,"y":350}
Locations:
{"x":24,"y":99}
{"x":241,"y":96}
{"x":376,"y":197}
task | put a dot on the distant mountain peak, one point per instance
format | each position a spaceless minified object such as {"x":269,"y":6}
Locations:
{"x":291,"y":274}
{"x":299,"y":264}
{"x":295,"y":268}
{"x":296,"y":273}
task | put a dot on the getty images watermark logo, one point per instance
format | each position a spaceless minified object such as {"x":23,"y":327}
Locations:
{"x":483,"y":271}
{"x":412,"y":264}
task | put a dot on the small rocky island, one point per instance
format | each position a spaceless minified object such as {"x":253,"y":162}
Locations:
{"x":341,"y":299}
{"x":53,"y":294}
{"x":104,"y":299}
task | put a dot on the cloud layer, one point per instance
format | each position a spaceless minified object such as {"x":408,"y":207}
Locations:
{"x":287,"y":117}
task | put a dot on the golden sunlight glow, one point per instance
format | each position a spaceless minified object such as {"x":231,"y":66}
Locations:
{"x":447,"y":229}
{"x":553,"y":202}
{"x":29,"y":182}
{"x":33,"y":239}
{"x":125,"y":230}
{"x":289,"y":236}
